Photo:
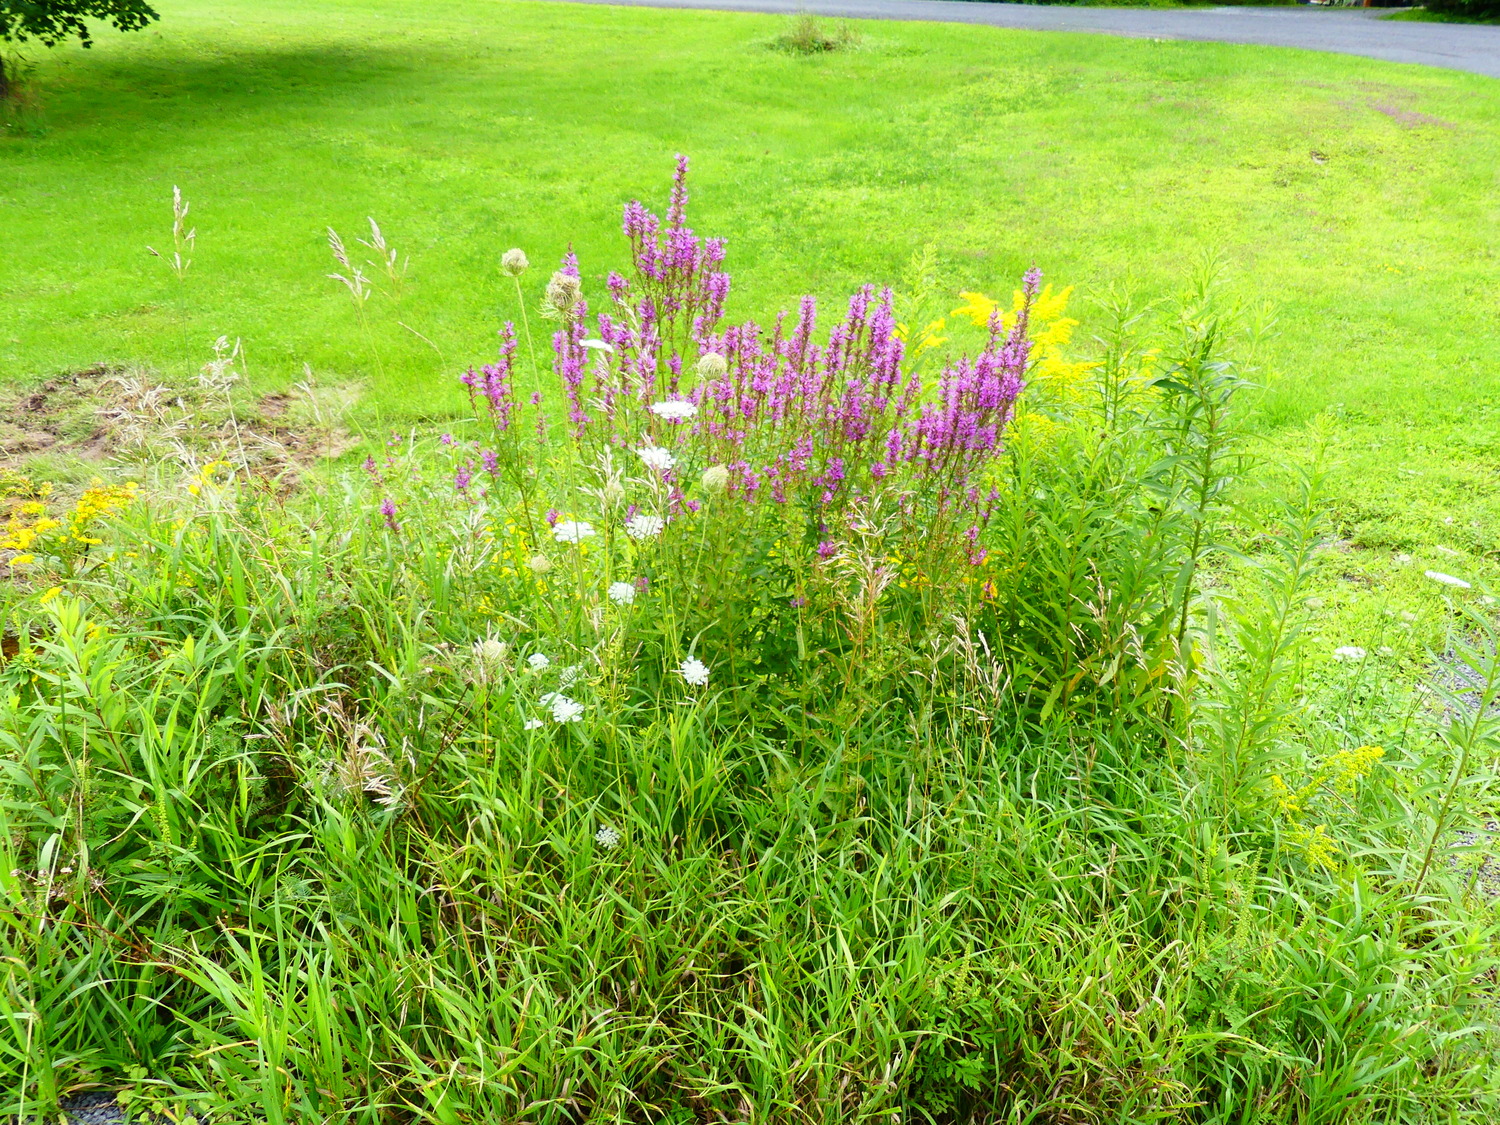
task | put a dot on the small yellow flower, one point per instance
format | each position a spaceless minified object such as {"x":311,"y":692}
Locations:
{"x":50,"y":594}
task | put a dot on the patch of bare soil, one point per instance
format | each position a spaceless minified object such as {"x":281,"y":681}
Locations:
{"x":1408,"y":117}
{"x":107,"y":414}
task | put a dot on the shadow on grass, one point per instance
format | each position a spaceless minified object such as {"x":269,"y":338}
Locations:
{"x":87,"y":92}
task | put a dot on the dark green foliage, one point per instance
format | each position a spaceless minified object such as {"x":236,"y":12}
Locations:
{"x":52,"y":21}
{"x":1467,"y":9}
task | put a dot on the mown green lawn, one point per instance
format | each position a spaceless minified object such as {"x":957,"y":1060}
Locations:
{"x":1359,"y":197}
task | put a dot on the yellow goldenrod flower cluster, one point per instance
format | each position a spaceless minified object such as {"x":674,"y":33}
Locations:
{"x":98,"y":501}
{"x":26,"y":518}
{"x":28,"y":527}
{"x":1050,"y":330}
{"x":26,"y":524}
{"x":1347,"y":768}
{"x":1316,"y":846}
{"x":1341,"y":772}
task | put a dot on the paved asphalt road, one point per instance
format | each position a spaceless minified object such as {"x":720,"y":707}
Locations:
{"x":1350,"y":31}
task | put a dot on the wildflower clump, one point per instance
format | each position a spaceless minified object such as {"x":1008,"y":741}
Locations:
{"x":757,"y":450}
{"x":31,"y":534}
{"x":768,"y":496}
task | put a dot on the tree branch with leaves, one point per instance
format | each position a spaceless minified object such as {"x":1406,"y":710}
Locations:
{"x":52,"y":21}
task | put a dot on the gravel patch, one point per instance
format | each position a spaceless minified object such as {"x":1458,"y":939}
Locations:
{"x":92,"y":1109}
{"x":1481,"y":844}
{"x":1485,"y":876}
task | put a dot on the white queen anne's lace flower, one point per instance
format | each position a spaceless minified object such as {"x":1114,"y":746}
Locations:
{"x":674,"y":411}
{"x":607,"y":837}
{"x":643,"y":526}
{"x":538,"y":660}
{"x":533,"y":724}
{"x":694,"y":671}
{"x":656,"y":458}
{"x":573,"y":531}
{"x":564,"y":710}
{"x":621,"y":593}
{"x":1349,"y":652}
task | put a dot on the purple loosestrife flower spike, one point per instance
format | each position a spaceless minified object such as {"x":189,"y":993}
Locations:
{"x":677,"y":212}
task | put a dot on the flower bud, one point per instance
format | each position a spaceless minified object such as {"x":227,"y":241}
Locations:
{"x":715,"y":479}
{"x":540,"y":564}
{"x":489,"y":660}
{"x":514,"y":263}
{"x":711,"y":365}
{"x":564,"y":292}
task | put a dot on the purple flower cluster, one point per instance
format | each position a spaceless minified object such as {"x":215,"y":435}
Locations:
{"x":818,"y":426}
{"x":494,"y":384}
{"x":679,"y":289}
{"x":824,"y":425}
{"x":572,"y":357}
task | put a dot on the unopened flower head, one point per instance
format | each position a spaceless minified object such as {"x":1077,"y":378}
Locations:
{"x":711,"y":365}
{"x":674,"y":411}
{"x":514,"y":262}
{"x":656,"y":458}
{"x":489,"y":659}
{"x":564,"y":292}
{"x":622,"y":593}
{"x":715,"y":479}
{"x":694,"y":671}
{"x":573,"y":531}
{"x":642,"y":526}
{"x":539,"y":564}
